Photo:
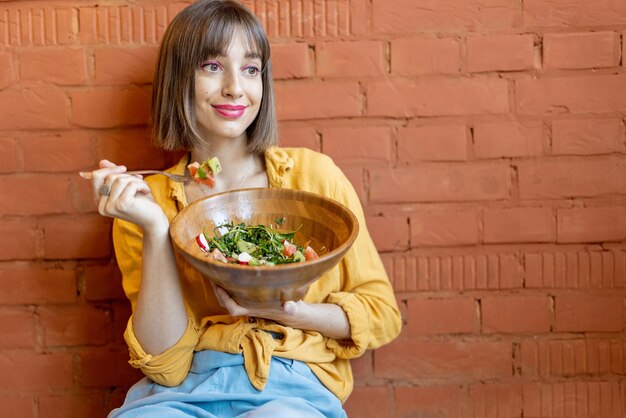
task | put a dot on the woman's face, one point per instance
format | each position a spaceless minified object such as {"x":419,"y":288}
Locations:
{"x":228,"y":91}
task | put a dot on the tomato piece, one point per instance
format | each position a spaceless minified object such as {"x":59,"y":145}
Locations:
{"x":209,"y":180}
{"x":289,"y":248}
{"x":193,"y":168}
{"x":310,"y":254}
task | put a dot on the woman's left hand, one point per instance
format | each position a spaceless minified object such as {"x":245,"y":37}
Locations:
{"x":328,"y":319}
{"x":286,"y":315}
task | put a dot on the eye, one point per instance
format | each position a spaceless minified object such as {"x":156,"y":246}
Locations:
{"x":211,"y":67}
{"x":252,"y":71}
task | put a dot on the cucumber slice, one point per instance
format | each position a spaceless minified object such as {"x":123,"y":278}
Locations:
{"x":298,"y":256}
{"x":245,"y":246}
{"x":214,"y":165}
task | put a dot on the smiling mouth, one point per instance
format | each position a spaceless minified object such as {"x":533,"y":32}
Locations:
{"x":230,"y":111}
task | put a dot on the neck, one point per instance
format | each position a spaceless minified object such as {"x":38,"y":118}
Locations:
{"x":231,"y":151}
{"x":237,"y":163}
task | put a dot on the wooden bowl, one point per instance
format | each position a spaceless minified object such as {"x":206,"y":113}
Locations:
{"x":329,"y":226}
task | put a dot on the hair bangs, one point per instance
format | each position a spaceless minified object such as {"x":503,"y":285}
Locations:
{"x":220,"y":31}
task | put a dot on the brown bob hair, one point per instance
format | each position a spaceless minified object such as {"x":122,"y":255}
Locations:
{"x":202,"y":30}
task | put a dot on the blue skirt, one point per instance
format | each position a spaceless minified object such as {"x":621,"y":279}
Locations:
{"x":217,"y":386}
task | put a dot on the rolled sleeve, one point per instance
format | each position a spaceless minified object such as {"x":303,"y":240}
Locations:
{"x":359,"y":326}
{"x":168,"y":368}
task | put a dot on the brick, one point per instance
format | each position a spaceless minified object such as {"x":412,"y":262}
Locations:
{"x":581,"y":50}
{"x":432,"y":143}
{"x":359,"y":20}
{"x":350,"y":59}
{"x":422,"y":56}
{"x":17,"y":326}
{"x":77,"y":237}
{"x":27,"y":284}
{"x":519,"y":225}
{"x":362,"y":367}
{"x":73,"y":325}
{"x":130,"y":147}
{"x":78,"y":405}
{"x":123,"y":66}
{"x":33,"y":109}
{"x":369,"y":402}
{"x":444,"y":228}
{"x":437,"y":97}
{"x":413,"y":273}
{"x":7,"y":70}
{"x":102,"y":283}
{"x":511,"y":272}
{"x":355,"y":177}
{"x":574,"y":95}
{"x":291,"y":61}
{"x":501,"y":400}
{"x":452,"y":315}
{"x":559,"y":13}
{"x":323,"y":99}
{"x":66,"y":25}
{"x":140,"y":24}
{"x":500,"y":53}
{"x":59,"y":152}
{"x":439,"y":182}
{"x":65,"y":67}
{"x":358,"y":145}
{"x":110,"y":107}
{"x":300,"y":137}
{"x":407,"y":16}
{"x":24,"y":370}
{"x":29,"y":194}
{"x":565,"y":270}
{"x":590,"y":224}
{"x":515,"y":314}
{"x":81,"y":192}
{"x":121,"y":314}
{"x":589,"y":313}
{"x":118,"y":372}
{"x":583,"y":398}
{"x":429,"y":401}
{"x":562,"y":179}
{"x":115,"y":399}
{"x":508,"y":139}
{"x":452,"y":359}
{"x":389,"y":233}
{"x":587,"y":136}
{"x":20,"y":240}
{"x":10,"y":156}
{"x":572,"y":357}
{"x":17,"y":406}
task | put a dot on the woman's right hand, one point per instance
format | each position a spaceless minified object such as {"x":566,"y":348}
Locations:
{"x":128,"y":198}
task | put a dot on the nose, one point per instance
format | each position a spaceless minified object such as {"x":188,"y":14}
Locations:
{"x":232,"y":85}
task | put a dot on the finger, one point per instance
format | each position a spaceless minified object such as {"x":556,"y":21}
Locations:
{"x":291,"y":308}
{"x":229,"y":303}
{"x":118,"y":183}
{"x":107,"y":164}
{"x":99,"y":177}
{"x":128,"y":194}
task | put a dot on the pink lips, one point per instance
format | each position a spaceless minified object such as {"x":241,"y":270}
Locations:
{"x":230,"y":111}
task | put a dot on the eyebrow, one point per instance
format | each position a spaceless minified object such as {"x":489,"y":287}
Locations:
{"x":249,"y":55}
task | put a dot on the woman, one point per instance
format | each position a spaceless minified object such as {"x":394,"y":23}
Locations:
{"x":204,"y":355}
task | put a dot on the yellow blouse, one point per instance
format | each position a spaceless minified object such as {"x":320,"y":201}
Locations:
{"x":359,"y":284}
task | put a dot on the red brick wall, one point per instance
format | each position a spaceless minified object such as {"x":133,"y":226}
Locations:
{"x":484,"y":137}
